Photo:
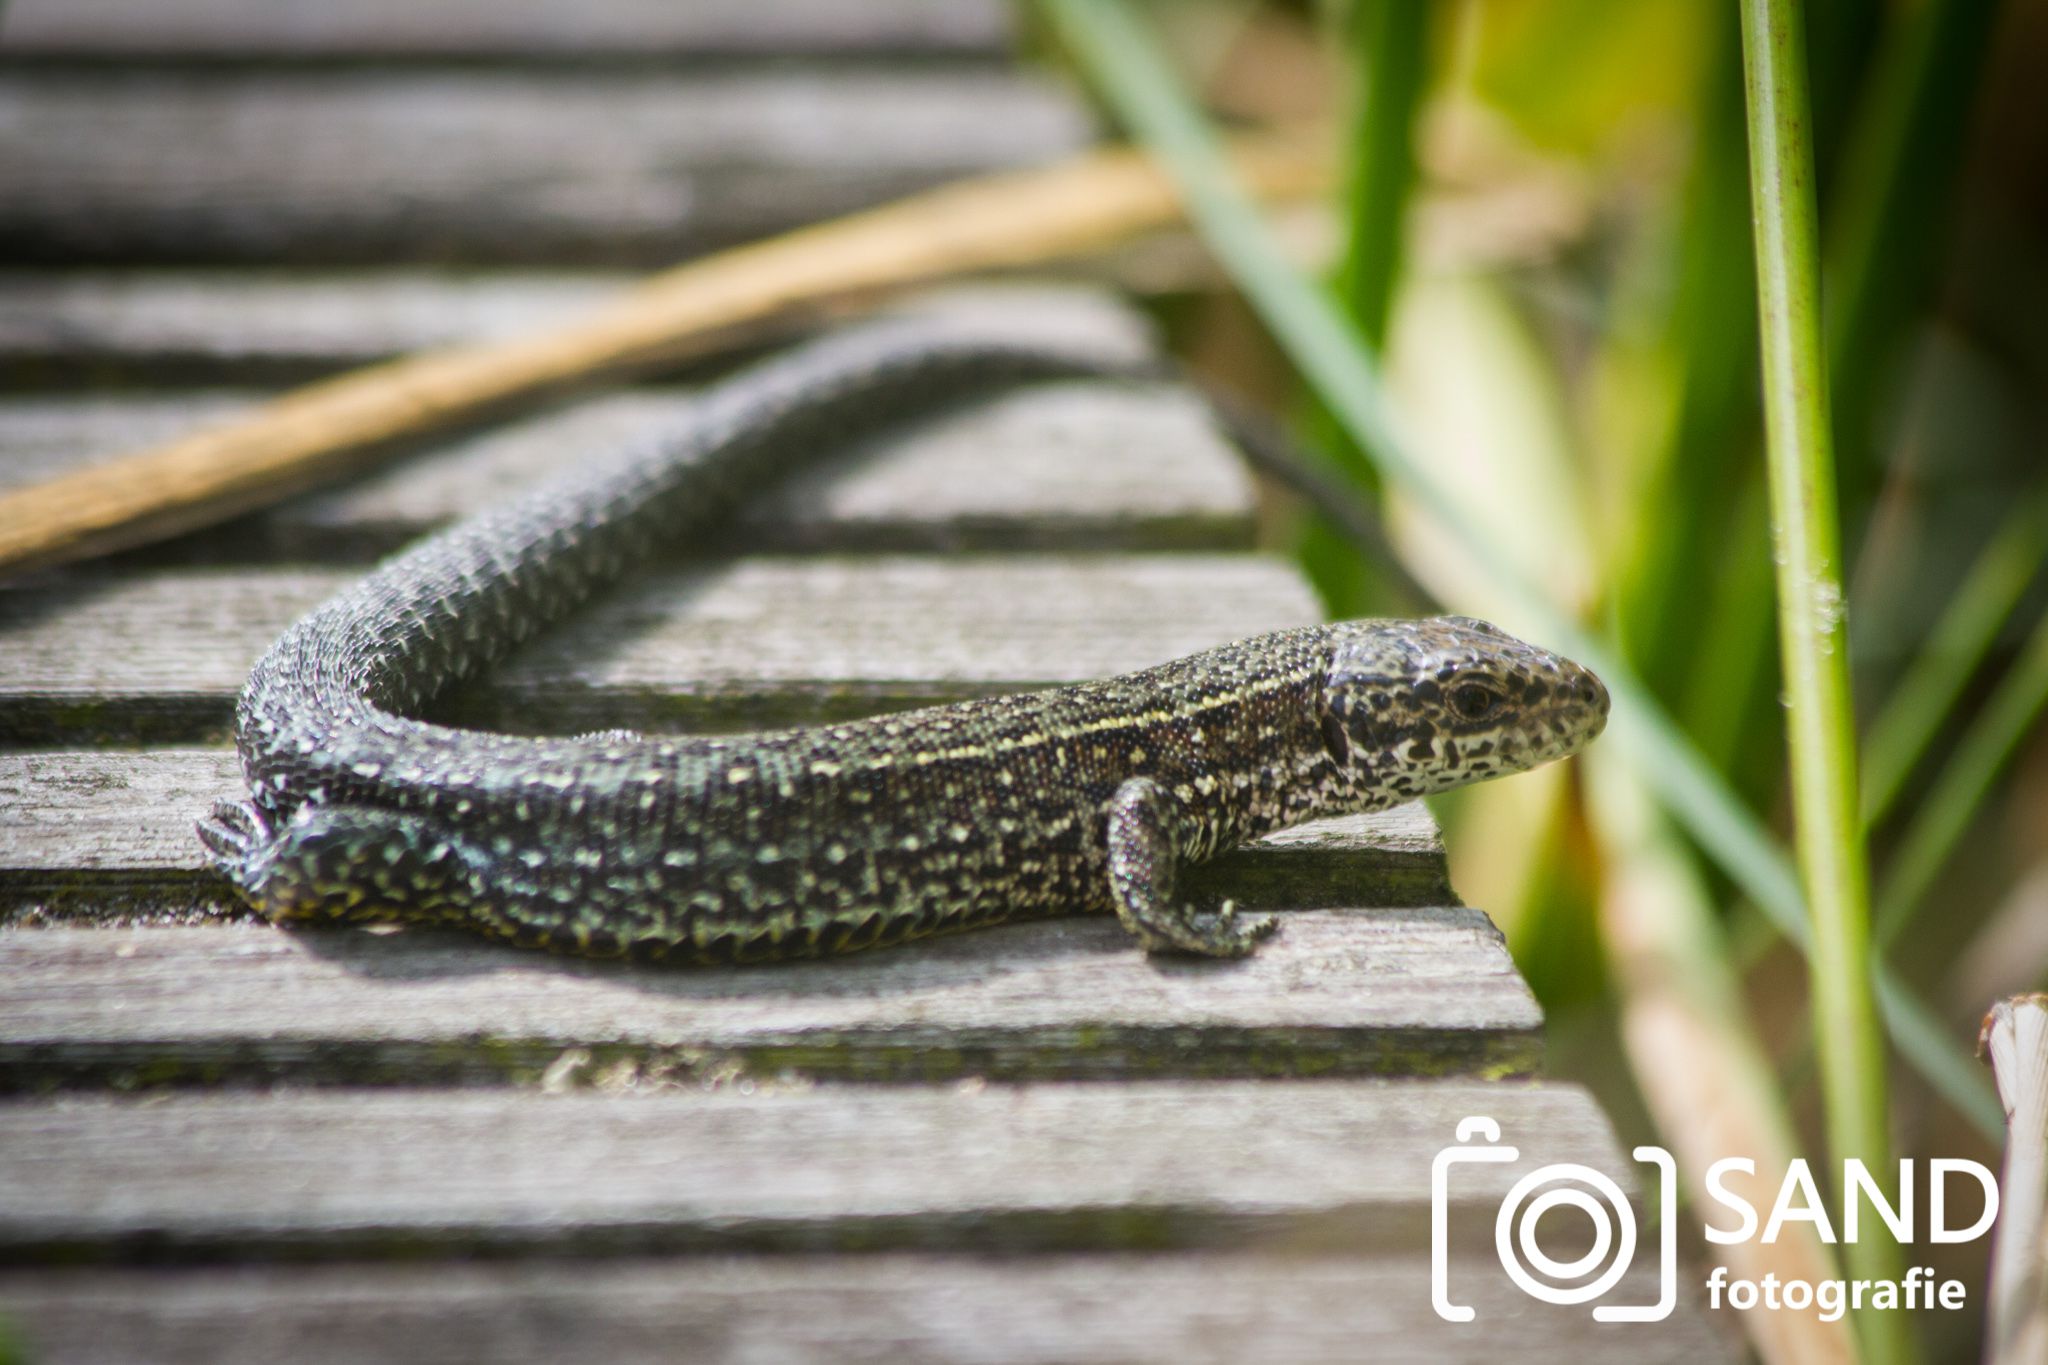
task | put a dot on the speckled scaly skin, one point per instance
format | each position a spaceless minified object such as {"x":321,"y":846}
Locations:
{"x":799,"y":842}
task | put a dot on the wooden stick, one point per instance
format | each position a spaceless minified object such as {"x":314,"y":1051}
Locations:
{"x":2015,"y":1037}
{"x":1706,"y":1078}
{"x":339,"y":426}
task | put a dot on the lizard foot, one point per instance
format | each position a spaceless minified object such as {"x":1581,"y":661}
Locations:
{"x":1205,"y":933}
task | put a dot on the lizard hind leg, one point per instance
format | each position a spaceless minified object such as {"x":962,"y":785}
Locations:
{"x":348,"y":862}
{"x":231,"y":834}
{"x":1142,"y":859}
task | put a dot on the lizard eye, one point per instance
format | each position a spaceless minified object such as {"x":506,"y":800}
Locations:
{"x":1473,"y":701}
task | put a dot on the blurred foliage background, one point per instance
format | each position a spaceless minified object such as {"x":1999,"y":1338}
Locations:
{"x":1541,"y":232}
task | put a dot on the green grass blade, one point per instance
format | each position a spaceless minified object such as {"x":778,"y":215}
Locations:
{"x":1955,"y":796}
{"x":1126,"y":66}
{"x":1392,"y":41}
{"x":1927,"y":1043}
{"x":1697,"y":293}
{"x":1813,"y":638}
{"x":1332,"y":357}
{"x":1890,"y":204}
{"x":1899,"y":736}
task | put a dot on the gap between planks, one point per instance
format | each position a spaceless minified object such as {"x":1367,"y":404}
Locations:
{"x":637,"y":31}
{"x":1309,"y":1308}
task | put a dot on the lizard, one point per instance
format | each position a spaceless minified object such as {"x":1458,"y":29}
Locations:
{"x":805,"y":841}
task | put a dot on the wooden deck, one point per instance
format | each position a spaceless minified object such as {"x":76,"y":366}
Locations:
{"x":220,"y":1141}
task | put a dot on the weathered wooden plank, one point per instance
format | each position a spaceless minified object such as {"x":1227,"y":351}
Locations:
{"x":1067,"y":466}
{"x":379,"y":165}
{"x":263,"y":326}
{"x":154,"y":327}
{"x":742,"y":642}
{"x":105,"y":836}
{"x":1305,"y":1307}
{"x":1301,"y":1165}
{"x":1419,"y":991}
{"x":612,"y":30}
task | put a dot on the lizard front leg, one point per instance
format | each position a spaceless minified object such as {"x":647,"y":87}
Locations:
{"x":1142,"y":859}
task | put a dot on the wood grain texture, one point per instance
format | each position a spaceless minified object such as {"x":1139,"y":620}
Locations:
{"x":751,"y":641}
{"x":374,"y":166}
{"x":1426,"y":991}
{"x":105,"y":836}
{"x":155,"y":328}
{"x":152,"y":328}
{"x":1068,"y":466}
{"x":216,"y":326}
{"x":612,"y":30}
{"x":1312,"y":1308}
{"x":315,"y":434}
{"x":1278,"y":1165}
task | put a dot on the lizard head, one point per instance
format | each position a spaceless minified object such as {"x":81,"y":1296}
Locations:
{"x":1414,"y":707}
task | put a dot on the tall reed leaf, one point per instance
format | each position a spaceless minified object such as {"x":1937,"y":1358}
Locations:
{"x":1890,"y":205}
{"x":1391,"y":39}
{"x":1813,"y":636}
{"x":1955,"y":795}
{"x":1901,"y":733}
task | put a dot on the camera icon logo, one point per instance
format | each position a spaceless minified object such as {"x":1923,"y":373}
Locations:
{"x":1563,"y":1184}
